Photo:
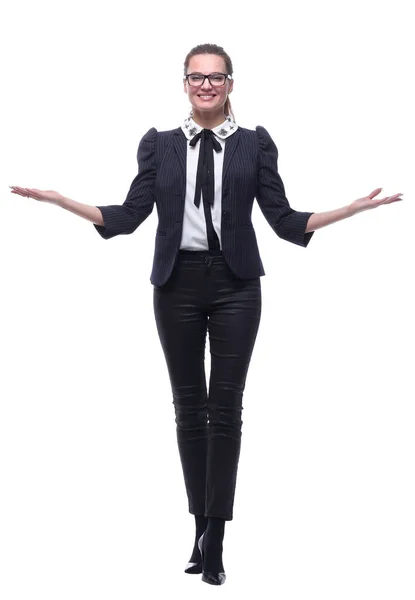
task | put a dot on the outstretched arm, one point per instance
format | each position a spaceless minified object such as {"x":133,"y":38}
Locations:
{"x":115,"y":219}
{"x":319,"y":220}
{"x":91,"y":213}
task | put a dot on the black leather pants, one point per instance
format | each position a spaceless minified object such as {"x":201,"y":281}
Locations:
{"x":203,"y":295}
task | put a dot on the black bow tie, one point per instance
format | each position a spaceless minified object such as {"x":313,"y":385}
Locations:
{"x":205,"y":177}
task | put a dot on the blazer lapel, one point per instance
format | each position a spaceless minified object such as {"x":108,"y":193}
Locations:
{"x":180,"y":145}
{"x":230,"y":147}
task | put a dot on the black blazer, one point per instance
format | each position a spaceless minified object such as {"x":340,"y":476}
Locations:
{"x":249,"y":171}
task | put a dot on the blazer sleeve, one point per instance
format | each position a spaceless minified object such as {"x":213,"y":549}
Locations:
{"x":288,"y":224}
{"x":125,"y":218}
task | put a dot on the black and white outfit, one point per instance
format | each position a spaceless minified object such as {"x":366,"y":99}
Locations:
{"x":206,"y":278}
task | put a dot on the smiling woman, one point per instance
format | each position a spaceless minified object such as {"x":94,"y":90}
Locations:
{"x":208,"y":83}
{"x":203,"y":177}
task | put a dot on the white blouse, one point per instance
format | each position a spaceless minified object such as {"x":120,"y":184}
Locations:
{"x":194,"y":235}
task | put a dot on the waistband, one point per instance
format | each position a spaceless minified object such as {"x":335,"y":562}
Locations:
{"x":197,"y":254}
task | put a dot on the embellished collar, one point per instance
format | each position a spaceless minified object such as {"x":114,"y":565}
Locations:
{"x":190,"y":128}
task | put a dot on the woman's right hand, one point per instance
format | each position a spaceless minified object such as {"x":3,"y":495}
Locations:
{"x":43,"y":195}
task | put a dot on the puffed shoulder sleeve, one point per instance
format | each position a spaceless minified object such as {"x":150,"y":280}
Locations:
{"x":125,"y":218}
{"x":288,"y":224}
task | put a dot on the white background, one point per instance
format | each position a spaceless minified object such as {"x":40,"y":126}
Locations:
{"x":92,"y":502}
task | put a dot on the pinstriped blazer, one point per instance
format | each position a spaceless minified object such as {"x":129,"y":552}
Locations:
{"x":250,"y":170}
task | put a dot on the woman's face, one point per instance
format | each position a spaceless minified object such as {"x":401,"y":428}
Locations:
{"x":207,"y":64}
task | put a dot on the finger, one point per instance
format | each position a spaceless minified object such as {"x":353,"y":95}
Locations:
{"x":35,"y":193}
{"x":393,"y":199}
{"x":375,"y":193}
{"x":20,"y":190}
{"x":387,"y":198}
{"x":32,"y":193}
{"x":390,"y":199}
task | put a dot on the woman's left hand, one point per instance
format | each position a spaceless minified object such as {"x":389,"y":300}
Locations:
{"x":371,"y":202}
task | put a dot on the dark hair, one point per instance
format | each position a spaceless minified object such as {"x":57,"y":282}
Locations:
{"x":219,"y":51}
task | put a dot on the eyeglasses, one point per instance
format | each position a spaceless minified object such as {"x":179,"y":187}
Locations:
{"x":215,"y":79}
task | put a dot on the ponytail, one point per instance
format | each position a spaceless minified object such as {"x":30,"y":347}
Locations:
{"x":228,"y":109}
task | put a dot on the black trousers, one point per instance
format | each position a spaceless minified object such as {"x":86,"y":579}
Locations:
{"x":203,"y":295}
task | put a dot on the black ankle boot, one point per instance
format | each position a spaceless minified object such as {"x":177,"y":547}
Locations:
{"x":213,"y":577}
{"x":194,"y":566}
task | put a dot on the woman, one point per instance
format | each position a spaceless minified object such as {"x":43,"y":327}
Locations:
{"x":204,"y":176}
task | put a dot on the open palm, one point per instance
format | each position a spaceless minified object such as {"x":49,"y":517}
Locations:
{"x":371,"y":202}
{"x":42,"y":195}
